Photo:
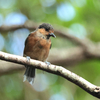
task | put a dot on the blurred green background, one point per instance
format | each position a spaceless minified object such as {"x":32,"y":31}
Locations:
{"x":81,"y":16}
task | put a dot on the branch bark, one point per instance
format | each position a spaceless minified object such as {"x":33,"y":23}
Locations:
{"x":58,"y":70}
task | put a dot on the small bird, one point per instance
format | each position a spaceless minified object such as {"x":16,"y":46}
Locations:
{"x":37,"y":46}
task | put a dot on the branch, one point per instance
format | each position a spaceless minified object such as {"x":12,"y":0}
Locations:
{"x":74,"y":55}
{"x":59,"y":31}
{"x":58,"y":70}
{"x":28,"y":24}
{"x":86,"y":50}
{"x":66,"y":57}
{"x":8,"y":67}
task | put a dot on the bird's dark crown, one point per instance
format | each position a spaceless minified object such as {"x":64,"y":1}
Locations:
{"x":46,"y":26}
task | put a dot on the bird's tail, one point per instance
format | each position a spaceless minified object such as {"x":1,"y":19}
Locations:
{"x":29,"y":74}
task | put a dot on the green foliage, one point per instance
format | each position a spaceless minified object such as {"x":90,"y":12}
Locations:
{"x":11,"y":87}
{"x":87,"y":14}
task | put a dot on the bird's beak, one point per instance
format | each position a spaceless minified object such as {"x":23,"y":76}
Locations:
{"x":52,"y":34}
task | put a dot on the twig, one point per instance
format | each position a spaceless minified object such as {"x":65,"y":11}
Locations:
{"x":58,"y":70}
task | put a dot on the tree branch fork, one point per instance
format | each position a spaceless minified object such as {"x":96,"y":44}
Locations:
{"x":58,"y":70}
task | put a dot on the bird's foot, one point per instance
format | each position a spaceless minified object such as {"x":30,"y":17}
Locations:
{"x":28,"y":58}
{"x":48,"y":63}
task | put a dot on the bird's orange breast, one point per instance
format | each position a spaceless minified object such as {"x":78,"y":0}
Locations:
{"x":37,"y":48}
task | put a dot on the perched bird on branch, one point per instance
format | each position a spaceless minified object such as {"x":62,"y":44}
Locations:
{"x":37,"y":46}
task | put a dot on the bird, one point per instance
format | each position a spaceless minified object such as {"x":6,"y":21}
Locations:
{"x":37,"y":46}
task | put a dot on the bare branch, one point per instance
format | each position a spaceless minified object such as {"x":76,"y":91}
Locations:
{"x":74,"y":55}
{"x":59,"y":30}
{"x":28,"y":24}
{"x":66,"y":33}
{"x":67,"y":57}
{"x":58,"y":70}
{"x":8,"y":67}
{"x":86,"y":50}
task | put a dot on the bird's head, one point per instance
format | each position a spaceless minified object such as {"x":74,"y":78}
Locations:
{"x":47,"y":30}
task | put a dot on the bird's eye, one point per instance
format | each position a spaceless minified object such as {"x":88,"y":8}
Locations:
{"x":47,"y":29}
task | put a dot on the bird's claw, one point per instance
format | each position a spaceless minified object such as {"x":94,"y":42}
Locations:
{"x":48,"y":63}
{"x":28,"y":58}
